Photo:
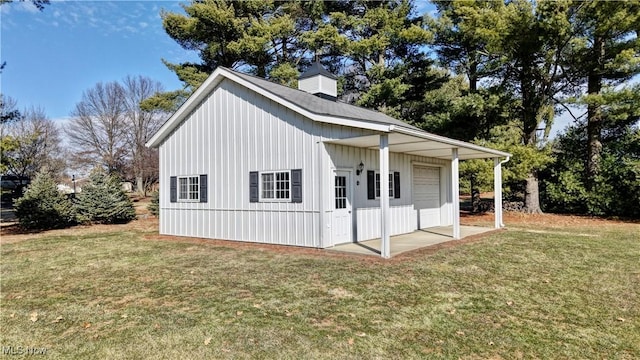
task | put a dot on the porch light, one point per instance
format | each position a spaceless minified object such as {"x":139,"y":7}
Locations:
{"x":359,"y":169}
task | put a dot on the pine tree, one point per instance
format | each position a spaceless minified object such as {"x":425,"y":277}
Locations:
{"x":606,"y":54}
{"x":537,"y":36}
{"x":103,"y":201}
{"x":43,"y":206}
{"x":154,"y":205}
{"x":382,"y":46}
{"x":261,"y":37}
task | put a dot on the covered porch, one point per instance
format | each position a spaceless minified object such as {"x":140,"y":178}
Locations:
{"x":408,"y":242}
{"x":415,"y":142}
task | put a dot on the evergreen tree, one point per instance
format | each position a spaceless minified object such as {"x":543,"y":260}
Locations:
{"x":375,"y":45}
{"x":467,"y":37}
{"x":384,"y":61}
{"x":605,"y":54}
{"x":261,"y":37}
{"x":43,"y":206}
{"x":154,"y":204}
{"x":502,"y":56}
{"x":103,"y":201}
{"x":537,"y":37}
{"x":615,"y":190}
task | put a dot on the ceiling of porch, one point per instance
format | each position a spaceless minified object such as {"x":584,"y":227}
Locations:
{"x":422,"y":144}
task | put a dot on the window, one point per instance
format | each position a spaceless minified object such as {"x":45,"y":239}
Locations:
{"x":391,"y":188}
{"x":341,"y":192}
{"x":189,"y":188}
{"x":276,"y":185}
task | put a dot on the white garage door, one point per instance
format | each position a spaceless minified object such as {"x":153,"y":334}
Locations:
{"x":426,"y":195}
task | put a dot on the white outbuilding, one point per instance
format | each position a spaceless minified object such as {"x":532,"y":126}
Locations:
{"x":245,"y":159}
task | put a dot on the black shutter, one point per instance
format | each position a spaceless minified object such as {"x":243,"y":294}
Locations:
{"x":371,"y":184}
{"x":253,"y":186}
{"x":296,"y":186}
{"x":396,"y":185}
{"x":203,"y":188}
{"x":173,"y":186}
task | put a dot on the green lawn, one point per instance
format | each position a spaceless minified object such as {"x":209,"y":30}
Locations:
{"x":516,"y":294}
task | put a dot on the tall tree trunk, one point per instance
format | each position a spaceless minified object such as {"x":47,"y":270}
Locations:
{"x":140,"y":185}
{"x":473,"y":76}
{"x":530,"y":125}
{"x":594,"y":115}
{"x":532,"y":195}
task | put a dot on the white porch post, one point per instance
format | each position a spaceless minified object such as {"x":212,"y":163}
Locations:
{"x":455,"y":193}
{"x":497,"y":193}
{"x":385,"y":224}
{"x":325,"y":241}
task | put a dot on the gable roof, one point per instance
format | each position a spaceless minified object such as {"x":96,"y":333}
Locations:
{"x":321,"y":106}
{"x":309,"y":105}
{"x":316,"y":109}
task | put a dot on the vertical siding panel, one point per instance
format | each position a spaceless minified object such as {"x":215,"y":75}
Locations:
{"x":236,"y":163}
{"x":234,"y":131}
{"x":207,"y":166}
{"x":252,"y":131}
{"x":229,"y":136}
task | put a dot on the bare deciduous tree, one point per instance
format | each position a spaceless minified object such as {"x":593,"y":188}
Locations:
{"x":30,"y":144}
{"x":108,"y":128}
{"x":97,"y":130}
{"x":141,"y":126}
{"x":8,"y":109}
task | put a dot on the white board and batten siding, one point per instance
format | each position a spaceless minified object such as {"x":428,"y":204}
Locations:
{"x":235,"y":131}
{"x":232,"y":132}
{"x":404,"y":215}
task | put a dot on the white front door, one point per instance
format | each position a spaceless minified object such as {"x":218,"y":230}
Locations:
{"x":426,"y":195}
{"x":342,"y":217}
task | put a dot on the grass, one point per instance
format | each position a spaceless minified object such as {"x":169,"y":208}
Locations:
{"x":514,"y":294}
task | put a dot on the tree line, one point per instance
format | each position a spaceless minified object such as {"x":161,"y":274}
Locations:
{"x":106,"y":129}
{"x":496,"y":73}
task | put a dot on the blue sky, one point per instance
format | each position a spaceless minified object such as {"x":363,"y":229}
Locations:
{"x":54,"y":55}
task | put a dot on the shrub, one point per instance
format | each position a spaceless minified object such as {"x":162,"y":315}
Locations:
{"x":615,"y":188}
{"x":43,"y":206}
{"x":154,"y":205}
{"x":103,"y":201}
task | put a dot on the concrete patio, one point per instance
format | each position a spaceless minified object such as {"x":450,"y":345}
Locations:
{"x":412,"y":241}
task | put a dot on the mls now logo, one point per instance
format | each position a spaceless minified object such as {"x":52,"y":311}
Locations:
{"x":23,"y":350}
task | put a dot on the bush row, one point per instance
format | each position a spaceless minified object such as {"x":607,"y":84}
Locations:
{"x":102,"y":201}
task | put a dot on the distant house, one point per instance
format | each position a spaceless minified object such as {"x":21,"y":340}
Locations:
{"x":69,"y":186}
{"x":246,"y":159}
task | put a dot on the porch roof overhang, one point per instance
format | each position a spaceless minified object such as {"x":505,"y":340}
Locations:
{"x":420,"y":143}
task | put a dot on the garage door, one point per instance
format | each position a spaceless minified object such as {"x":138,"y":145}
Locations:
{"x":426,"y":195}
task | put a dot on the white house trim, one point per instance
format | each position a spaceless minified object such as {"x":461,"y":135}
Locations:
{"x":455,"y":193}
{"x":385,"y":223}
{"x":414,"y":143}
{"x":497,"y":191}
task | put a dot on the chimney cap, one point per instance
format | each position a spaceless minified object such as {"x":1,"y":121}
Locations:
{"x":317,"y":69}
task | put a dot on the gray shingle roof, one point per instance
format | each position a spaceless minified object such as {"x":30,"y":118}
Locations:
{"x":317,"y":69}
{"x":322,"y":106}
